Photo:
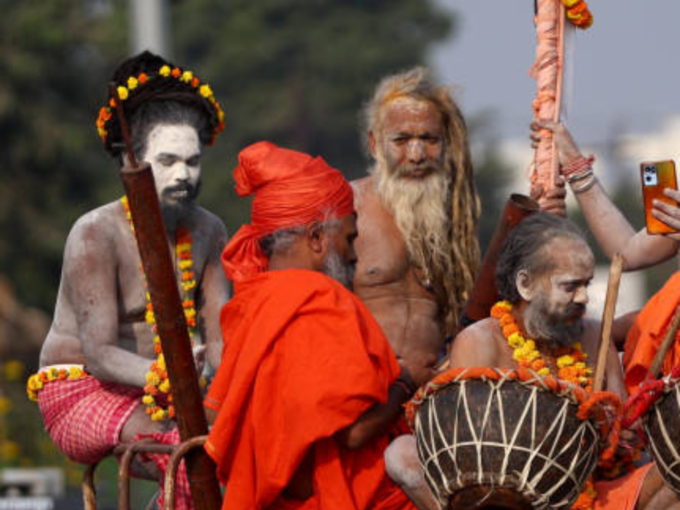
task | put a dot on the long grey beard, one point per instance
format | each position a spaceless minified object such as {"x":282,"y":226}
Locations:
{"x":419,"y":210}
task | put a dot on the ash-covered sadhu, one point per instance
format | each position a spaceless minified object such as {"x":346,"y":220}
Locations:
{"x":418,"y":211}
{"x":102,"y":378}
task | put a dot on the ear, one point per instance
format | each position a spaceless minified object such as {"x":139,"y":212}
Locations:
{"x":317,"y":244}
{"x":317,"y":241}
{"x":372,"y":143}
{"x":524,"y":284}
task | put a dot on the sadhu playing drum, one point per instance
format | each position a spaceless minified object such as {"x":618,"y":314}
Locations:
{"x":542,"y":275}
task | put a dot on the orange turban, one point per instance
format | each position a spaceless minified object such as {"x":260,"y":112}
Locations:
{"x":291,"y":189}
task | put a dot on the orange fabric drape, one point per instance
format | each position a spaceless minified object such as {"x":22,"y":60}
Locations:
{"x":303,"y":358}
{"x":291,"y":189}
{"x":646,"y":335}
{"x":622,"y":493}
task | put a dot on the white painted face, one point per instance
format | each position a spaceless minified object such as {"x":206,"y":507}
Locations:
{"x":174,"y":153}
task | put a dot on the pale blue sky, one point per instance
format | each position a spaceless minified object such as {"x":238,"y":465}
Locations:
{"x":627,"y":71}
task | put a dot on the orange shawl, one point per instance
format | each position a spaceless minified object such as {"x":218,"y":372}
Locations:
{"x":303,"y":359}
{"x":646,"y":335}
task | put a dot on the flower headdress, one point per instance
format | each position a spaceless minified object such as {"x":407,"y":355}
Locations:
{"x":147,"y":77}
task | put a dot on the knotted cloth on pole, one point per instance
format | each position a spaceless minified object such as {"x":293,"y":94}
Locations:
{"x":555,"y":21}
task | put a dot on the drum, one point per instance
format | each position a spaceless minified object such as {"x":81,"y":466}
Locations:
{"x":492,"y":438}
{"x":663,"y":432}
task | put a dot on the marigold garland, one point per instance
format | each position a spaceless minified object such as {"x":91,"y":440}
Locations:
{"x":48,"y":374}
{"x":157,"y":382}
{"x":571,"y":361}
{"x":165,"y":72}
{"x":578,"y":13}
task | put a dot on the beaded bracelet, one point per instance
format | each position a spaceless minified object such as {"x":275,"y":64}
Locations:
{"x":579,"y":176}
{"x":577,"y":166}
{"x":584,"y":187}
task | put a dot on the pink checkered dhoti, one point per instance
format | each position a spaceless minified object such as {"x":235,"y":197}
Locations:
{"x":84,"y":417}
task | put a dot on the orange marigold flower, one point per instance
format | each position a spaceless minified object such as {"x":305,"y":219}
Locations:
{"x":143,"y":78}
{"x":506,"y":319}
{"x":510,"y":329}
{"x":195,"y":82}
{"x":176,"y":72}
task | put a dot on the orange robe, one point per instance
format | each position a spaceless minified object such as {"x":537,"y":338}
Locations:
{"x":646,"y":335}
{"x":303,"y":359}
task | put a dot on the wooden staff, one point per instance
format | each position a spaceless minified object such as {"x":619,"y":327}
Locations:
{"x":145,"y":209}
{"x":615,"y":270}
{"x":484,"y":293}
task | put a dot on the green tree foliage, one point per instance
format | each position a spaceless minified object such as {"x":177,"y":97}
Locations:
{"x":55,"y":54}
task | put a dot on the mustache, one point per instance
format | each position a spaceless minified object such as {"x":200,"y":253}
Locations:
{"x":428,"y":168}
{"x":192,"y":191}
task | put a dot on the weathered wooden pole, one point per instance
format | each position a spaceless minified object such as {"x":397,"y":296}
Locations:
{"x":161,"y":282}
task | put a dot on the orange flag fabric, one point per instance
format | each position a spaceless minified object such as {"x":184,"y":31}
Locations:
{"x":647,"y":333}
{"x":291,"y":189}
{"x":303,"y":359}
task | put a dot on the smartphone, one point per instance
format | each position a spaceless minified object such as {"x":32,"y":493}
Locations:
{"x":656,"y":176}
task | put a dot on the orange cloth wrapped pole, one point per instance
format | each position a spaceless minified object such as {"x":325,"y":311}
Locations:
{"x":548,"y":73}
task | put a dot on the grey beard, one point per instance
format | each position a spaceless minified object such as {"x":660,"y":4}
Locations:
{"x":552,"y":331}
{"x":334,"y":267}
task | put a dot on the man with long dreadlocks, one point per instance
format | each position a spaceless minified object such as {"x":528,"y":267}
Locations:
{"x":417,"y":217}
{"x":102,"y":378}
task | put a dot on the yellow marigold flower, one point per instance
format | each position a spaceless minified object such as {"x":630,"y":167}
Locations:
{"x":205,"y":90}
{"x":189,"y":285}
{"x":220,"y":115}
{"x":544,"y":371}
{"x":580,"y":365}
{"x":14,"y":369}
{"x":565,"y":361}
{"x":122,"y":93}
{"x":184,"y":248}
{"x":164,"y":71}
{"x":185,"y":264}
{"x":9,"y":451}
{"x":132,"y":83}
{"x":76,"y":373}
{"x":158,"y":415}
{"x":161,"y":361}
{"x":187,"y":76}
{"x":531,"y":355}
{"x":153,"y":378}
{"x":190,"y":312}
{"x":530,"y":344}
{"x":148,"y":400}
{"x":5,"y":405}
{"x":164,"y":386}
{"x":570,"y":3}
{"x":150,"y":317}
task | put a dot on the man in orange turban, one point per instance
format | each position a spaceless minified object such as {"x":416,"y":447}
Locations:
{"x":308,"y":385}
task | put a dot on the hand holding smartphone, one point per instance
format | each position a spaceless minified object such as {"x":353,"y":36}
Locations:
{"x":656,"y":176}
